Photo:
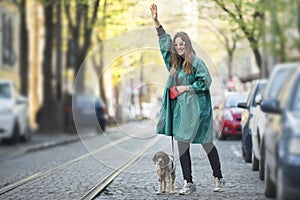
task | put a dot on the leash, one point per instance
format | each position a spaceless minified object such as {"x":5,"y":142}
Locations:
{"x":173,"y":145}
{"x":173,"y":154}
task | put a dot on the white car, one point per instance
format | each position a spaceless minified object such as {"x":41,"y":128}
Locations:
{"x":278,"y":77}
{"x":14,"y":118}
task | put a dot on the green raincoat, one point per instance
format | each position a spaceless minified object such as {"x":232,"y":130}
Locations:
{"x":188,"y":117}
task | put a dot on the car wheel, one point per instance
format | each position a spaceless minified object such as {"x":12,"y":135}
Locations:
{"x":255,"y":163}
{"x":15,"y":135}
{"x":262,"y":162}
{"x":246,"y":155}
{"x":27,"y":135}
{"x":280,"y":185}
{"x":270,"y":188}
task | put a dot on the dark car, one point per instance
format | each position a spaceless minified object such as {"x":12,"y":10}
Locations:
{"x":85,"y":110}
{"x":247,"y":118}
{"x":282,"y":141}
{"x":227,"y":116}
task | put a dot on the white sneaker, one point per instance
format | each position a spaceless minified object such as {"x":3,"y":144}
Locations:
{"x":188,"y":188}
{"x":219,"y":184}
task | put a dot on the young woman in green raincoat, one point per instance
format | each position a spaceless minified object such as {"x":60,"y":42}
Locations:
{"x":188,"y":118}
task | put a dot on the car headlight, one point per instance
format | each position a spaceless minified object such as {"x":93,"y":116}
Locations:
{"x":294,"y":147}
{"x":227,"y":115}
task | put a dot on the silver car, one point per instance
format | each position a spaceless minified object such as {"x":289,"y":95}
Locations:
{"x":279,"y":75}
{"x":14,"y":118}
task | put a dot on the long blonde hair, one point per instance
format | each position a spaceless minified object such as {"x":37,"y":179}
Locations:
{"x":188,"y":55}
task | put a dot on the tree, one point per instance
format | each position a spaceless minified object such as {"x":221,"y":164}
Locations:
{"x":47,"y":122}
{"x":23,"y":46}
{"x":229,"y":38}
{"x":84,"y":23}
{"x":283,"y":28}
{"x":283,"y":18}
{"x":248,"y":17}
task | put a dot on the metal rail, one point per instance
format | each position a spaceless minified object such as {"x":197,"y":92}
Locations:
{"x":96,"y":190}
{"x":48,"y":171}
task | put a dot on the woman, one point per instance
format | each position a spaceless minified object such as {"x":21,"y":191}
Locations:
{"x":189,"y":116}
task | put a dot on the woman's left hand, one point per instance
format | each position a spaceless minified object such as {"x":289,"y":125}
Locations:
{"x":182,"y":88}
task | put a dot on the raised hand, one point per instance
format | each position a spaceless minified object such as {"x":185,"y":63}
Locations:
{"x":153,"y":9}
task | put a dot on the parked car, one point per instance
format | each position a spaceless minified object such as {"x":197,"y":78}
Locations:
{"x":227,"y":116}
{"x":282,"y":141}
{"x":247,"y":117}
{"x":280,"y":74}
{"x":14,"y":117}
{"x":86,"y":110}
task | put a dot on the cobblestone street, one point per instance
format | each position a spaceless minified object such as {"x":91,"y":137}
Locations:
{"x":71,"y":169}
{"x":140,"y":180}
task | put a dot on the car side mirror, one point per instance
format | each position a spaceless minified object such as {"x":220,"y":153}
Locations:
{"x":270,"y":106}
{"x":258,"y":99}
{"x":242,"y":105}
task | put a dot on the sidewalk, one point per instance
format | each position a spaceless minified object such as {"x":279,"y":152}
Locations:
{"x":41,"y":141}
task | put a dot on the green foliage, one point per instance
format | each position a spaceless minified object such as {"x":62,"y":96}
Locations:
{"x":277,"y":17}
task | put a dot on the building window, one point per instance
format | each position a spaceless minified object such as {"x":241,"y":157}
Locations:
{"x":8,"y":55}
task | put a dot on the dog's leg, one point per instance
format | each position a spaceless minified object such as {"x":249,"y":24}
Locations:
{"x":172,"y":186}
{"x":173,"y":176}
{"x":169,"y":184}
{"x":160,"y":185}
{"x":165,"y":184}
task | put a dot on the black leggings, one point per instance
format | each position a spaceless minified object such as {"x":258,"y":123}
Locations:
{"x":185,"y":159}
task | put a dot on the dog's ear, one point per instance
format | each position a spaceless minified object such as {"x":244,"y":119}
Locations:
{"x":154,"y":158}
{"x":167,"y":159}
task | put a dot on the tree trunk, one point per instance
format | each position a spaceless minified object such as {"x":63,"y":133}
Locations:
{"x":34,"y":65}
{"x":80,"y":52}
{"x":24,"y":53}
{"x":258,"y":59}
{"x":47,"y":122}
{"x":99,"y":71}
{"x":59,"y":99}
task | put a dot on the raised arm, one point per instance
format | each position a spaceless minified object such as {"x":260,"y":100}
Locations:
{"x":165,"y":40}
{"x":154,"y":15}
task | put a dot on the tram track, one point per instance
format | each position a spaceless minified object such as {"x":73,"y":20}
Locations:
{"x":40,"y":174}
{"x":99,"y":188}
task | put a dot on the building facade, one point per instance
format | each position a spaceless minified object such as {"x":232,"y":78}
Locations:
{"x":9,"y":41}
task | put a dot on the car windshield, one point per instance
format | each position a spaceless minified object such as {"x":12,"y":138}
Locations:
{"x":279,"y":79}
{"x":233,"y":100}
{"x":5,"y":92}
{"x":260,"y":89}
